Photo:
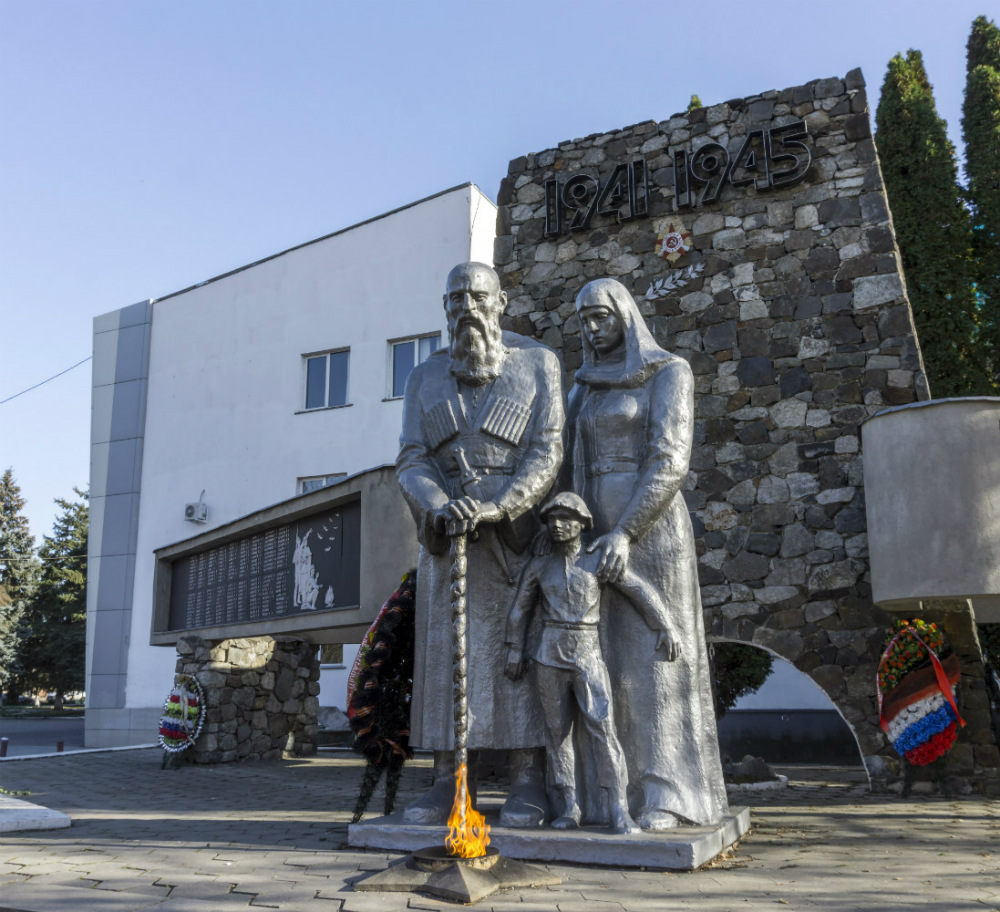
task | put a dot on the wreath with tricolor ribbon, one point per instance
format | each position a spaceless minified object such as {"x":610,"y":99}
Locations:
{"x":917,"y":690}
{"x":183,"y":715}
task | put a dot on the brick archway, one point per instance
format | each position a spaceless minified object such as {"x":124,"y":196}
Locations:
{"x":874,"y":763}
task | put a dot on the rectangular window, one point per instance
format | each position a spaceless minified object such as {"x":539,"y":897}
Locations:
{"x":331,"y":654}
{"x":326,"y":379}
{"x":315,"y":482}
{"x":406,"y":355}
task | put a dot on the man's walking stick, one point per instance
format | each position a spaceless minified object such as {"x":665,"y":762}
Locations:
{"x":460,"y":667}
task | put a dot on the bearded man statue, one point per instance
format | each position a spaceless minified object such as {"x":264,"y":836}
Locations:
{"x":480,"y":448}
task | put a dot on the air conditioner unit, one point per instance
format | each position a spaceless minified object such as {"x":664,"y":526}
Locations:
{"x":196,"y":512}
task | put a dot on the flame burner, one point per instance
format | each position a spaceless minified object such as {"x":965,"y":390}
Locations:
{"x":437,"y":858}
{"x":465,"y":880}
{"x":465,"y":869}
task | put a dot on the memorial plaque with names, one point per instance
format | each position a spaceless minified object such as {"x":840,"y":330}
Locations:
{"x":313,"y":564}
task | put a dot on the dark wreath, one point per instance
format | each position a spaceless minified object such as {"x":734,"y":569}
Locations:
{"x":379,"y":700}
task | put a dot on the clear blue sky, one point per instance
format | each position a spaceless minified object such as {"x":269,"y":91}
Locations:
{"x":146,"y":146}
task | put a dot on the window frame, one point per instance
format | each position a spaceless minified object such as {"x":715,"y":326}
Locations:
{"x":328,"y":479}
{"x":304,"y":391}
{"x":333,"y":666}
{"x":390,"y":372}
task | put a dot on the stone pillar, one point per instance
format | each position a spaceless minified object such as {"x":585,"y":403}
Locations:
{"x":261,"y":695}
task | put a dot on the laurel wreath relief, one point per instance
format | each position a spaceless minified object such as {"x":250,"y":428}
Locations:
{"x":674,"y":281}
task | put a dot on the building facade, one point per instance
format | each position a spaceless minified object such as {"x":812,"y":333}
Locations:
{"x":242,"y":391}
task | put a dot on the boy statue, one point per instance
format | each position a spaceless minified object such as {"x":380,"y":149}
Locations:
{"x":571,"y":677}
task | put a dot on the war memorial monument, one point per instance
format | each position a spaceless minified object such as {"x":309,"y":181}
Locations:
{"x":686,"y":325}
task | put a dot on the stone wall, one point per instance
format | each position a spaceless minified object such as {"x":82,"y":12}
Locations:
{"x":261,"y":695}
{"x":789,"y":304}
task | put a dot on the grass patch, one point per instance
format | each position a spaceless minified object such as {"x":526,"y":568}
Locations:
{"x":40,"y":712}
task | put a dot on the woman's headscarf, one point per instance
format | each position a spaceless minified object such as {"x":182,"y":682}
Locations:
{"x":643,"y":357}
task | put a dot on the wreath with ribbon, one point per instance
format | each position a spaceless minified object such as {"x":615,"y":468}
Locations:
{"x":917,"y":690}
{"x":378,"y":695}
{"x":183,"y":715}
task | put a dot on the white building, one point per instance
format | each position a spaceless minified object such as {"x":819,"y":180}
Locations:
{"x":251,"y":387}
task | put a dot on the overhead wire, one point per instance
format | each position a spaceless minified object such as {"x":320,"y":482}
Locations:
{"x":49,"y":380}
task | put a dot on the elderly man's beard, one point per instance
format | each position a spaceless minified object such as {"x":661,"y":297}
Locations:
{"x":476,"y":349}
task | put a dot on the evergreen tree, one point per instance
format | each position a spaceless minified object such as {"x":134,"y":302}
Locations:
{"x":981,"y":134}
{"x":932,"y":226}
{"x":693,"y":104}
{"x":18,"y":581}
{"x":10,"y":640}
{"x":738,"y":670}
{"x":55,"y":650}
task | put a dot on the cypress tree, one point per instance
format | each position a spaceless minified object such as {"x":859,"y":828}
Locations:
{"x":933,"y":227}
{"x":18,"y":580}
{"x":981,"y":134}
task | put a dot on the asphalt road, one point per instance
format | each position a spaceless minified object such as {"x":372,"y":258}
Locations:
{"x":40,"y":736}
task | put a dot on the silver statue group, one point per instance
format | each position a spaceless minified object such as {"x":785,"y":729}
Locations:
{"x":586,"y":647}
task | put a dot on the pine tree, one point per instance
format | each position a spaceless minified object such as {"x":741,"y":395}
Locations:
{"x":18,"y":580}
{"x":933,"y":228}
{"x":55,"y":651}
{"x":981,"y":134}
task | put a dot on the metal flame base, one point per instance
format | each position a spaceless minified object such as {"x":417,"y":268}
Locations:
{"x":464,"y":880}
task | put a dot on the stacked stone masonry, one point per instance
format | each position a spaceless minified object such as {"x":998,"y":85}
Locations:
{"x":791,"y":308}
{"x":261,"y":695}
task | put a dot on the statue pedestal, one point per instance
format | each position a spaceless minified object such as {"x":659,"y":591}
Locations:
{"x":680,"y":849}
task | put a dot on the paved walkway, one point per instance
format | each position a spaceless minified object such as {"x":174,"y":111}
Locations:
{"x":273,"y":836}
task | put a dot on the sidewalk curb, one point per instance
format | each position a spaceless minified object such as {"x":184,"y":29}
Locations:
{"x":17,"y":815}
{"x":82,"y":750}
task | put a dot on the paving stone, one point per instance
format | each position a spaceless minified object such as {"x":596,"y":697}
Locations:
{"x":375,"y":902}
{"x":290,"y":896}
{"x":42,"y":897}
{"x":132,"y":885}
{"x":203,"y":890}
{"x":195,"y":904}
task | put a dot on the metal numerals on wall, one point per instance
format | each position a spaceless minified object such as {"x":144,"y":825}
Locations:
{"x":573,"y":204}
{"x":768,"y":158}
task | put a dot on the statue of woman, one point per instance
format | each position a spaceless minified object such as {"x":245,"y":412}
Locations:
{"x":631,"y":421}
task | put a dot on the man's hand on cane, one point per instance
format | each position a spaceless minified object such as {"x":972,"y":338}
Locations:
{"x":462,"y":515}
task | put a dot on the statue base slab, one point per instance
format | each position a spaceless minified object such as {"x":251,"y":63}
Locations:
{"x":682,"y":848}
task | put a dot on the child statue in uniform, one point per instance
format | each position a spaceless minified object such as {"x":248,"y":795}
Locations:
{"x":571,"y":676}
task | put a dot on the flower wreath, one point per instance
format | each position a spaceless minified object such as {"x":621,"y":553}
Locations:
{"x":378,"y":695}
{"x":183,"y":714}
{"x":916,"y":697}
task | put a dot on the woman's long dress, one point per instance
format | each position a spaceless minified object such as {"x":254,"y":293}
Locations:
{"x":630,"y":449}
